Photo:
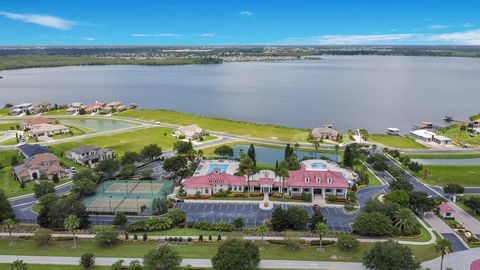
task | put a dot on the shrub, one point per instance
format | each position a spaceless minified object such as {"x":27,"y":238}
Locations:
{"x":126,"y":236}
{"x":307,"y":196}
{"x":87,"y":261}
{"x":331,"y":198}
{"x":347,"y":242}
{"x":200,"y":238}
{"x":177,"y":215}
{"x":135,"y":237}
{"x":150,"y":224}
{"x":373,"y":224}
{"x":324,"y":243}
{"x":106,"y":236}
{"x":219,"y":226}
{"x":238,"y":223}
{"x":145,"y":237}
{"x":42,"y":237}
{"x":210,"y":238}
{"x":189,"y":239}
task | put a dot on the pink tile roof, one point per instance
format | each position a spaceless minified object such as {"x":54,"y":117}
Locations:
{"x":297,"y":179}
{"x":211,"y":179}
{"x":444,"y":207}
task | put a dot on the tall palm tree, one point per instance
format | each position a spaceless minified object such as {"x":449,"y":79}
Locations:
{"x":18,"y":265}
{"x":10,"y":225}
{"x":72,"y":223}
{"x":321,"y":229}
{"x":443,"y":246}
{"x":405,"y":219}
{"x":316,"y":144}
{"x":248,"y":172}
{"x":282,"y":172}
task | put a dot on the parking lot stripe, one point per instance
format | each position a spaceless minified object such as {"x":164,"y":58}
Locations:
{"x":204,"y":206}
{"x":196,"y":208}
{"x":335,"y":210}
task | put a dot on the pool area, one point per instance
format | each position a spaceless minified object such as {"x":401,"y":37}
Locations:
{"x":318,"y":166}
{"x":223,"y":168}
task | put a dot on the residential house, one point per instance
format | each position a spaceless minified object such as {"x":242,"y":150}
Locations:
{"x":445,"y":211}
{"x":94,"y":108}
{"x":42,"y":107}
{"x":48,"y":130}
{"x":317,"y":181}
{"x":30,"y":150}
{"x":24,"y":108}
{"x":41,"y":166}
{"x":89,"y":155}
{"x":75,"y":107}
{"x":191,"y":132}
{"x":429,"y":137}
{"x":29,"y":123}
{"x":325,"y":133}
{"x":393,"y":131}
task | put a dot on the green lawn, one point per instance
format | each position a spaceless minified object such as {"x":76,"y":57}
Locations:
{"x":4,"y":126}
{"x":76,"y":131}
{"x":221,"y":125}
{"x":55,"y":112}
{"x":4,"y":112}
{"x":11,"y":141}
{"x":127,"y":141}
{"x":463,"y":175}
{"x":395,"y":141}
{"x":459,"y":136}
{"x":443,"y":156}
{"x":193,"y":251}
{"x":468,"y":210}
{"x":55,"y":267}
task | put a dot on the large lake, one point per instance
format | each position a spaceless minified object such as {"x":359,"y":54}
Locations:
{"x":373,"y":92}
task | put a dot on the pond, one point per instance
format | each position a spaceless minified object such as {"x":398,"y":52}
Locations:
{"x":97,"y":125}
{"x":271,"y":155}
{"x":453,"y":162}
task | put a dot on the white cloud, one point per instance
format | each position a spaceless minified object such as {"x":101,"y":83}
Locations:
{"x":88,"y":38}
{"x":246,"y":13}
{"x":461,"y":38}
{"x":437,"y":26}
{"x":467,"y":24}
{"x":205,"y":35}
{"x":43,"y":20}
{"x":156,"y":35}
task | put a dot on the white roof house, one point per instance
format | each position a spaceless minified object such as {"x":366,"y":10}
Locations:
{"x":429,"y":136}
{"x":189,"y":132}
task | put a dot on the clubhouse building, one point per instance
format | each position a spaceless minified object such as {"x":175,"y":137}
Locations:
{"x":317,"y":177}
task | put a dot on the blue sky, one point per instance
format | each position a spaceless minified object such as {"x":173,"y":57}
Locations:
{"x":238,"y":22}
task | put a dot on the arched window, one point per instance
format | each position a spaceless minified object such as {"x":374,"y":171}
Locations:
{"x":318,"y":179}
{"x":329,"y":180}
{"x":307,"y":180}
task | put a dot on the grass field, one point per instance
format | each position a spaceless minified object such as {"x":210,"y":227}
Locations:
{"x":463,"y":175}
{"x":194,"y":251}
{"x":127,"y":141}
{"x":4,"y":126}
{"x":395,"y":141}
{"x":459,"y":136}
{"x":55,"y":267}
{"x":11,"y":141}
{"x":55,"y":112}
{"x":221,"y":125}
{"x":76,"y":131}
{"x":468,"y":210}
{"x":443,"y":156}
{"x":4,"y":112}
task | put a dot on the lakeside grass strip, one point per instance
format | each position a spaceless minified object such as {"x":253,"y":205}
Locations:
{"x":395,"y":141}
{"x":240,"y":128}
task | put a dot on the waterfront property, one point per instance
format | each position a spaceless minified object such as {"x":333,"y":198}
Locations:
{"x":430,"y":137}
{"x":191,"y":132}
{"x":31,"y":122}
{"x":48,"y":130}
{"x":89,"y":155}
{"x":393,"y":131}
{"x":41,"y":166}
{"x":314,"y":176}
{"x":23,"y":108}
{"x":325,"y":133}
{"x":75,"y":107}
{"x":30,"y":150}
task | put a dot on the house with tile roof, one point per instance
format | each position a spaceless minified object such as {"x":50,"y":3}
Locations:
{"x":316,"y":180}
{"x":39,"y":120}
{"x":325,"y":133}
{"x":48,"y":130}
{"x":191,"y":132}
{"x":41,"y":166}
{"x":89,"y":155}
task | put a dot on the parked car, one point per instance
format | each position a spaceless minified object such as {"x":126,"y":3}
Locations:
{"x":73,"y":170}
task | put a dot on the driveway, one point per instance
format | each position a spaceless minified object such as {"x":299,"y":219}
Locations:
{"x":443,"y":229}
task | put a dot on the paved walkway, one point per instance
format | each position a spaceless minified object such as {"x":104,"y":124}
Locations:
{"x":106,"y":261}
{"x":457,"y":261}
{"x":464,"y":218}
{"x":445,"y":231}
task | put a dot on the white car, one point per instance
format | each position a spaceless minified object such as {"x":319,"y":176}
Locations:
{"x":73,"y":170}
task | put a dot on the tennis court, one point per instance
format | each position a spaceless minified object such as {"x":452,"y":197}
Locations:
{"x":129,"y":196}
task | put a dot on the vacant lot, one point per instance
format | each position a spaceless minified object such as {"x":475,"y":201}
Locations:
{"x":395,"y":141}
{"x":463,"y":175}
{"x":460,"y":136}
{"x":221,"y":125}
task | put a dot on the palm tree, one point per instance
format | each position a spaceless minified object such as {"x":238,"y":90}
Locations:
{"x":72,"y":223}
{"x":443,"y":246}
{"x":248,"y":172}
{"x":426,"y":174}
{"x":19,"y":265}
{"x":10,"y":224}
{"x":316,"y":144}
{"x":405,"y":219}
{"x":262,"y":230}
{"x":296,"y":146}
{"x":283,"y":173}
{"x":321,"y":229}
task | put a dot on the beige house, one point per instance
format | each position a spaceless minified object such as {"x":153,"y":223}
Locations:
{"x":48,"y":130}
{"x":89,"y":155}
{"x":41,"y":166}
{"x":29,"y":123}
{"x":325,"y":133}
{"x":191,"y":132}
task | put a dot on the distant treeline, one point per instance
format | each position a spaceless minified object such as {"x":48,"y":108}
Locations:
{"x":36,"y":61}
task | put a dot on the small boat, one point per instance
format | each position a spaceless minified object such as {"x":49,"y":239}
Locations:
{"x":448,"y":118}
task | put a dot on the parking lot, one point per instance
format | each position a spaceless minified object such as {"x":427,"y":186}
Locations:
{"x":253,"y":216}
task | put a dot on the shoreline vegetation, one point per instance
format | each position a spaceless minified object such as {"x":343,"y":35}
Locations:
{"x":44,"y":61}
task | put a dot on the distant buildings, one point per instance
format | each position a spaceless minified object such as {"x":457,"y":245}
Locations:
{"x":325,"y":133}
{"x":430,"y":137}
{"x":191,"y":132}
{"x":393,"y":131}
{"x":40,"y":166}
{"x":89,"y":155}
{"x":24,"y":108}
{"x":48,"y":130}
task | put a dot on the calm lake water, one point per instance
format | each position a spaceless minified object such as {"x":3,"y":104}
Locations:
{"x":271,"y":155}
{"x":373,"y":92}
